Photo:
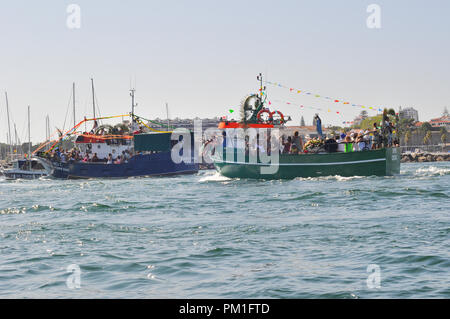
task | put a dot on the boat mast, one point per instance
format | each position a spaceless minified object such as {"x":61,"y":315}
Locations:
{"x":9,"y":125}
{"x":47,"y":130}
{"x":167,"y":111}
{"x":260,"y":79}
{"x":93,"y":96}
{"x":16,"y":143}
{"x":133,"y":105}
{"x":29,"y":135}
{"x":74,"y":117}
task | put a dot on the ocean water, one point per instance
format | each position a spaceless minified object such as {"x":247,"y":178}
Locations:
{"x":206,"y":236}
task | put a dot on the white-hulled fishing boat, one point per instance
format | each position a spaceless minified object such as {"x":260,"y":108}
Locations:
{"x":27,"y":168}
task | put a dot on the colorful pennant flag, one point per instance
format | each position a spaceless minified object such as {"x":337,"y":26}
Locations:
{"x":328,"y":98}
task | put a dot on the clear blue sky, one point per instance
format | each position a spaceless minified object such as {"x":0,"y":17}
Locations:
{"x":202,"y":57}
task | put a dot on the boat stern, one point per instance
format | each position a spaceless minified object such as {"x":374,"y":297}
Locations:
{"x":393,"y":157}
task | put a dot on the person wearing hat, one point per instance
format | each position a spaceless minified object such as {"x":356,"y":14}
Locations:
{"x":368,"y":139}
{"x":360,"y":144}
{"x":341,"y":142}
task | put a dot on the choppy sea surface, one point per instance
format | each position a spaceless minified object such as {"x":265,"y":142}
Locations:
{"x":207,"y":236}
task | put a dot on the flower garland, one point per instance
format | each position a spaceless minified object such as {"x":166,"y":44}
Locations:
{"x":314,"y":145}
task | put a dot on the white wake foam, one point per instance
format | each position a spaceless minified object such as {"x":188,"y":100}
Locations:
{"x":432,"y":171}
{"x":214,"y":177}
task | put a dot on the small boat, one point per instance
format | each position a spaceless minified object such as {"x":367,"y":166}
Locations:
{"x":25,"y":169}
{"x":379,"y":162}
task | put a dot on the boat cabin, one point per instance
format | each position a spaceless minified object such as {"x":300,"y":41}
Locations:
{"x":24,"y":164}
{"x":87,"y":144}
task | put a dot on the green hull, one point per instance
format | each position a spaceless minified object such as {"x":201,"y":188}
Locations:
{"x":383,"y":162}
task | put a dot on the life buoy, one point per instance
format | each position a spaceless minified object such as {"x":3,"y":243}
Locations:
{"x":260,"y":113}
{"x":282,"y":120}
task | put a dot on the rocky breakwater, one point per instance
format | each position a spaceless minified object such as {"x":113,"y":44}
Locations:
{"x":425,"y":157}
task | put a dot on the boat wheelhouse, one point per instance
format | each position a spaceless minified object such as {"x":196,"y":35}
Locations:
{"x":25,"y":169}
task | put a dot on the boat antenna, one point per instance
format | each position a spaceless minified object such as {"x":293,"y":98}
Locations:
{"x":9,"y":125}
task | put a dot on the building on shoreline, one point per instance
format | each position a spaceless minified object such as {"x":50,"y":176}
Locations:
{"x":184,"y":123}
{"x":408,"y":113}
{"x":443,"y":121}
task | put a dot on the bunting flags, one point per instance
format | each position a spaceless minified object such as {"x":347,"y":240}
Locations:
{"x":293,"y":90}
{"x":302,"y":106}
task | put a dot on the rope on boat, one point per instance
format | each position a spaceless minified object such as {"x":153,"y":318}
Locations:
{"x":45,"y":143}
{"x":105,"y":137}
{"x":154,"y":122}
{"x":141,"y":122}
{"x":106,"y":118}
{"x":62,"y":136}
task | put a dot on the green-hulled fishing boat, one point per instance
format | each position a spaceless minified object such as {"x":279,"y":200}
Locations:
{"x":378,"y":162}
{"x":382,"y":162}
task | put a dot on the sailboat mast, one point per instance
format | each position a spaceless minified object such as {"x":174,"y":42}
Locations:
{"x":9,"y":125}
{"x":73,"y":95}
{"x":47,"y":130}
{"x":29,"y":135}
{"x":16,"y":143}
{"x":93,"y":97}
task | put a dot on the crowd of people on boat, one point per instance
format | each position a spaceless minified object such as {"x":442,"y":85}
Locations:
{"x":349,"y":141}
{"x":75,"y":156}
{"x":379,"y":136}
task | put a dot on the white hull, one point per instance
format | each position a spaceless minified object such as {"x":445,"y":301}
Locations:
{"x":12,"y":174}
